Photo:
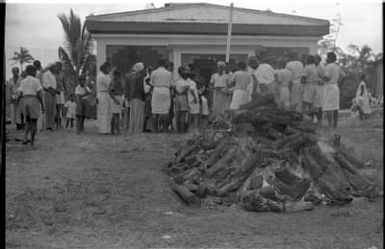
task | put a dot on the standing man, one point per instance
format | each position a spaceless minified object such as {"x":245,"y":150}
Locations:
{"x":50,"y":91}
{"x":331,"y":103}
{"x":296,"y":69}
{"x":253,"y":65}
{"x":320,"y":88}
{"x":60,"y":101}
{"x":161,"y":97}
{"x":16,"y":109}
{"x":39,"y":76}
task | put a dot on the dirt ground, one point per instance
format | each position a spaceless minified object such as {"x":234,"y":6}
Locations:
{"x":95,"y":191}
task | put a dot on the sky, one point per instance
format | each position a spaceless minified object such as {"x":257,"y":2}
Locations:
{"x":34,"y":24}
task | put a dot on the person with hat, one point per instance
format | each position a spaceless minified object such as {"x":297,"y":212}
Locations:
{"x":220,"y":82}
{"x":331,"y":103}
{"x":136,"y":97}
{"x":50,"y":91}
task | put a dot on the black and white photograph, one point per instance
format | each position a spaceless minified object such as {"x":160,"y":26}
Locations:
{"x":193,"y":124}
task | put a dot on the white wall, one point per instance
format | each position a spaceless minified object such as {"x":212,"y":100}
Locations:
{"x":201,"y":44}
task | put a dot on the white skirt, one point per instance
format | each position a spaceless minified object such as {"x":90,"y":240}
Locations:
{"x":319,"y":96}
{"x":161,"y":100}
{"x":332,"y":98}
{"x":240,"y":97}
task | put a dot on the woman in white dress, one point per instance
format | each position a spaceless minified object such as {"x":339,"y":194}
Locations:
{"x":103,"y":82}
{"x":331,"y":103}
{"x":283,"y":78}
{"x":243,"y":87}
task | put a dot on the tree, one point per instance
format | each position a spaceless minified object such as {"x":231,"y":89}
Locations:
{"x":77,"y":47}
{"x":329,"y":42}
{"x":21,"y":57}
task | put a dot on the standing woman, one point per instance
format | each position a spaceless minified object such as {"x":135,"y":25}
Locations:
{"x":103,"y":82}
{"x":320,"y":88}
{"x":50,"y":91}
{"x":31,"y":92}
{"x":331,"y":103}
{"x":283,"y":78}
{"x":309,"y":79}
{"x":147,"y":105}
{"x":116,"y":92}
{"x":136,"y":98}
{"x":296,"y":69}
{"x":161,"y":97}
{"x":243,"y":87}
{"x":220,"y":82}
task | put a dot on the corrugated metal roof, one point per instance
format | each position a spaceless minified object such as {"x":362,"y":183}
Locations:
{"x":206,"y":13}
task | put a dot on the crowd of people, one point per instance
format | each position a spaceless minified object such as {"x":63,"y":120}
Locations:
{"x":147,"y":100}
{"x":36,"y":100}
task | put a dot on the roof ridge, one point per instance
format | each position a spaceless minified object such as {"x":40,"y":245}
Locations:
{"x":173,"y":6}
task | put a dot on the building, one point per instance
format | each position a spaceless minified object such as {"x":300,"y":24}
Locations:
{"x":196,"y":34}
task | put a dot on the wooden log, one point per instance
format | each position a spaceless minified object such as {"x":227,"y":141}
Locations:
{"x":188,"y":175}
{"x":281,"y":143}
{"x":187,"y":151}
{"x":354,"y":161}
{"x":222,"y":162}
{"x":233,"y":185}
{"x":312,"y":165}
{"x":361,"y":185}
{"x":185,"y":194}
{"x":223,"y":146}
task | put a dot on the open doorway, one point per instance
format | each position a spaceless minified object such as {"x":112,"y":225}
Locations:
{"x":207,"y":63}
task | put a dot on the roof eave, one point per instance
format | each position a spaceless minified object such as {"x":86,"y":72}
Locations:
{"x":204,"y":28}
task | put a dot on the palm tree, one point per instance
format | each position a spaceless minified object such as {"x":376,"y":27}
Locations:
{"x":22,"y":57}
{"x":77,"y":46}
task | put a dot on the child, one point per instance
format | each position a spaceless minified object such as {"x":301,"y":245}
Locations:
{"x":81,"y":93}
{"x":71,"y":110}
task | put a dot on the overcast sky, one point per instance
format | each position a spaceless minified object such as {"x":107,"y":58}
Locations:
{"x":34,"y":24}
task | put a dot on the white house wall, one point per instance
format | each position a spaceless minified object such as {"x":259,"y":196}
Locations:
{"x":202,"y":44}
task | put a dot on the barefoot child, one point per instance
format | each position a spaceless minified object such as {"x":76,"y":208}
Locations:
{"x":70,"y":107}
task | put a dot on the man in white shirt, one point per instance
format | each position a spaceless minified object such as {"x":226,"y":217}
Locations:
{"x":49,"y":86}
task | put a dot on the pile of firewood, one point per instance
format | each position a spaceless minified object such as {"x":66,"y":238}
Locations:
{"x":267,"y":160}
